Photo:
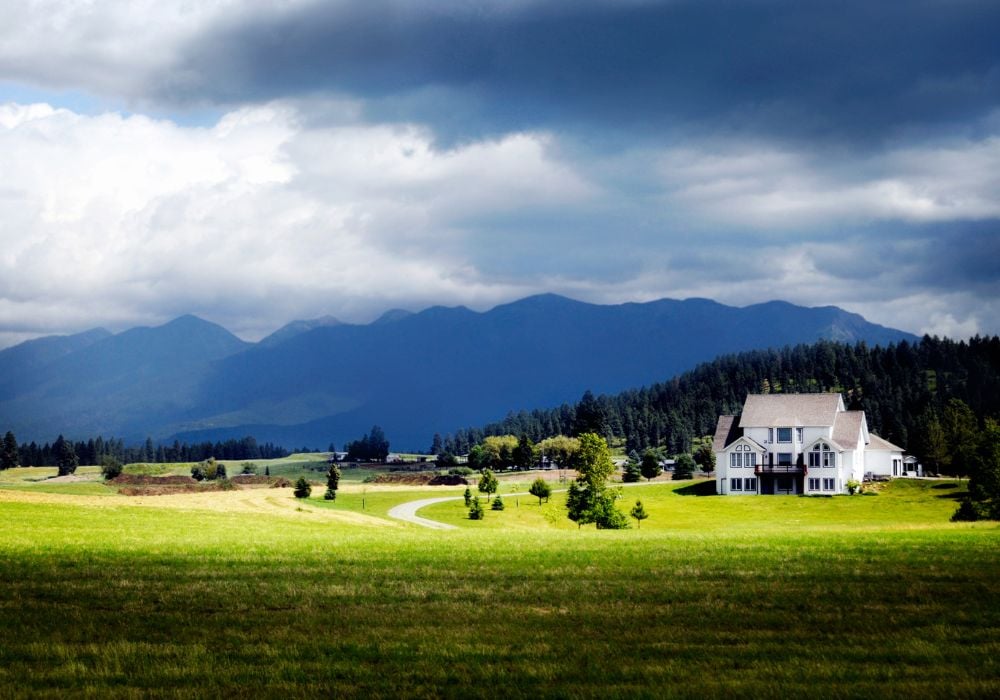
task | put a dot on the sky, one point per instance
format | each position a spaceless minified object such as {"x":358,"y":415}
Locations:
{"x":259,"y":162}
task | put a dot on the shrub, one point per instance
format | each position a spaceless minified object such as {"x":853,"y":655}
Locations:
{"x":303,"y":489}
{"x":111,"y":467}
{"x":853,"y":486}
{"x":468,"y":497}
{"x":476,"y":511}
{"x":497,"y":503}
{"x":248,"y":468}
{"x":461,"y":471}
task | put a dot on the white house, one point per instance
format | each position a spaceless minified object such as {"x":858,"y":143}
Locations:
{"x":800,"y":444}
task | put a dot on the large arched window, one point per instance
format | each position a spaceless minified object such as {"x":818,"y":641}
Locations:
{"x":821,"y":455}
{"x":743,"y":456}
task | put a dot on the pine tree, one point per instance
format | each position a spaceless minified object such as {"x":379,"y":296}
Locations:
{"x":303,"y":489}
{"x":332,"y":482}
{"x":476,"y":511}
{"x":8,"y":452}
{"x":639,"y":513}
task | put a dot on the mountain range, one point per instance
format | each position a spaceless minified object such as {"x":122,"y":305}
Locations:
{"x":321,"y":381}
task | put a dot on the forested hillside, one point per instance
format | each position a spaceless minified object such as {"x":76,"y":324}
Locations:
{"x":903,"y":388}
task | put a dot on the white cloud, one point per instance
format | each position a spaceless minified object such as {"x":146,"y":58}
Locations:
{"x":768,"y":187}
{"x":117,"y":220}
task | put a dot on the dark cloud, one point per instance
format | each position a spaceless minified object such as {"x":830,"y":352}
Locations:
{"x":852,"y":70}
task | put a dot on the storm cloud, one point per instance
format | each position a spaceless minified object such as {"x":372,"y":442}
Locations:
{"x":259,"y":163}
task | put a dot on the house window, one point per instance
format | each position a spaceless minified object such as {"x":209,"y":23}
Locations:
{"x":736,"y":484}
{"x":784,"y":459}
{"x":813,"y":484}
{"x":750,"y":459}
{"x":750,"y":485}
{"x":798,"y":435}
{"x":821,"y":454}
{"x":829,"y":484}
{"x":734,"y":459}
{"x":784,"y":434}
{"x":770,"y":435}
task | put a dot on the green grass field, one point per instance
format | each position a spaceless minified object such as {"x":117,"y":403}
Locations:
{"x":713,"y":597}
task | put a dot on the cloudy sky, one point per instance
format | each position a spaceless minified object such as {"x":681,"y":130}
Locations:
{"x":257,"y":162}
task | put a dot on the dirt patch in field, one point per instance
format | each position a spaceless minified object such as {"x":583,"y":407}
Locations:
{"x":68,"y":479}
{"x":419,"y":479}
{"x":146,"y":485}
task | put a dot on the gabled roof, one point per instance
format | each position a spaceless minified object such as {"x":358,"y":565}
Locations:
{"x":848,"y":429}
{"x":726,"y":431}
{"x":878,"y":443}
{"x":790,"y":410}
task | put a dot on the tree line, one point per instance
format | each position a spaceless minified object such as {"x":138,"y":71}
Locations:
{"x":98,"y":450}
{"x":908,"y":391}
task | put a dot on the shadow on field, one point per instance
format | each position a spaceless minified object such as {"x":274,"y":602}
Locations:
{"x":704,"y":488}
{"x":939,"y":487}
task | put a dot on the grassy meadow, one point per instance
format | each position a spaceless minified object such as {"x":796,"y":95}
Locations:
{"x":255,"y":593}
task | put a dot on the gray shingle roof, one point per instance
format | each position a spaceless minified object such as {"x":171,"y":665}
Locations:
{"x":789,"y":410}
{"x":879,"y":443}
{"x":726,"y":430}
{"x":847,"y":429}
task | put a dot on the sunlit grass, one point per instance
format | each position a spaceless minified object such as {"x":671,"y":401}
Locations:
{"x":842,"y":597}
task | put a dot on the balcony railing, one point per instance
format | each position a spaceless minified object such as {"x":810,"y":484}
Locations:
{"x":779,"y":469}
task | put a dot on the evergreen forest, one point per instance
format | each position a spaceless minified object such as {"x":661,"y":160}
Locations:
{"x":905,"y":389}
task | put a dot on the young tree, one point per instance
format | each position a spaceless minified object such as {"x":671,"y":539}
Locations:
{"x":110,"y":467}
{"x":632,"y":473}
{"x":683,"y":467}
{"x":589,"y":500}
{"x":248,"y":468}
{"x":488,"y":483}
{"x":704,"y":454}
{"x":220,"y":470}
{"x":8,"y":451}
{"x":476,"y":511}
{"x":468,"y":496}
{"x":303,"y":489}
{"x":65,"y":456}
{"x":650,"y":466}
{"x":332,"y":482}
{"x":497,"y":503}
{"x":639,"y":513}
{"x":540,"y":488}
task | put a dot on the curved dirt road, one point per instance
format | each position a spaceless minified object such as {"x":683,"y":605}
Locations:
{"x":407,"y":512}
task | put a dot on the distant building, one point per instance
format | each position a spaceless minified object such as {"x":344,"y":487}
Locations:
{"x":801,"y":444}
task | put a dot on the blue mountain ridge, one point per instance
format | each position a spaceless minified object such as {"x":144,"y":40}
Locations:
{"x":412,"y":373}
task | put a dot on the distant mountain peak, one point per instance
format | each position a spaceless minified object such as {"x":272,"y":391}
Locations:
{"x":294,"y":328}
{"x":391,"y":316}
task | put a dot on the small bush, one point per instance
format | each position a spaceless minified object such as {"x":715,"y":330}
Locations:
{"x":476,"y":512}
{"x":303,"y":489}
{"x":111,"y":467}
{"x":248,"y":468}
{"x":460,"y":471}
{"x":497,"y":503}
